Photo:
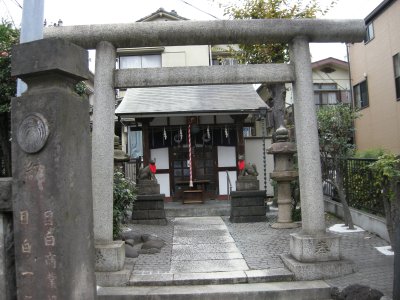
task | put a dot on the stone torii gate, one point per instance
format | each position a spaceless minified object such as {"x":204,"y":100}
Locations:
{"x":312,"y":244}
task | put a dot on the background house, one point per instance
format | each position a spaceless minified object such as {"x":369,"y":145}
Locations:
{"x":375,"y":76}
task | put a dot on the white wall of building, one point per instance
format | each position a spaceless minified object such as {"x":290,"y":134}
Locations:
{"x":162,"y":162}
{"x":180,"y":56}
{"x":254,"y":155}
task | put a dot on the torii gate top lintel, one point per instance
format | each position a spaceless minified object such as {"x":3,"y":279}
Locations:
{"x":147,"y":34}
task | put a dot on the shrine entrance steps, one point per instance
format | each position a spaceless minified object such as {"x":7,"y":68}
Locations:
{"x":208,"y":208}
{"x":296,"y":290}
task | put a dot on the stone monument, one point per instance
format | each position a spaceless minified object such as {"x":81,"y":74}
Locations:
{"x":149,"y":204}
{"x":119,"y":156}
{"x":247,"y":202}
{"x":51,"y":160}
{"x":283,"y":174}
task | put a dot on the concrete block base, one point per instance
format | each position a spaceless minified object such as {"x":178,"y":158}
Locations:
{"x":148,"y":187}
{"x":118,"y":278}
{"x":285,"y":225}
{"x":315,"y":248}
{"x":110,"y":257}
{"x":149,"y":209}
{"x":247,"y":183}
{"x":248,"y":206}
{"x":318,"y":270}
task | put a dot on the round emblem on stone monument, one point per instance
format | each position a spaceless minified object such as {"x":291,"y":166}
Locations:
{"x":33,"y":133}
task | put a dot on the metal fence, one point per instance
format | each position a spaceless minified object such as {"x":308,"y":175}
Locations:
{"x":131,"y":169}
{"x":358,"y":182}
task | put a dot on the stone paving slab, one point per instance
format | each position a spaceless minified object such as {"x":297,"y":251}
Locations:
{"x":198,"y":221}
{"x":151,"y":279}
{"x":199,"y":227}
{"x":278,"y":274}
{"x":233,"y":277}
{"x":300,"y":290}
{"x":211,"y":278}
{"x":201,"y":239}
{"x":206,"y":255}
{"x":191,"y":232}
{"x":225,"y":247}
{"x":217,"y":265}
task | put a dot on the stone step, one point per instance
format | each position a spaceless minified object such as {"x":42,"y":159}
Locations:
{"x":249,"y":276}
{"x":209,"y":208}
{"x":294,"y":290}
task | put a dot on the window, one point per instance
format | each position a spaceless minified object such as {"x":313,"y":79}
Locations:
{"x":140,"y":61}
{"x":369,"y":33}
{"x":135,"y":146}
{"x":361,"y":94}
{"x":396,"y":65}
{"x":227,"y":61}
{"x":326,"y":93}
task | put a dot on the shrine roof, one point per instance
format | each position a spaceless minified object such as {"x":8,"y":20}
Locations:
{"x":190,"y":100}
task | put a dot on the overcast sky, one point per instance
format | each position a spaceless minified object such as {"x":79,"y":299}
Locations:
{"x":77,"y":12}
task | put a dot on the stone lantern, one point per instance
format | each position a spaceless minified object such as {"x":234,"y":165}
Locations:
{"x":283,"y":174}
{"x":119,"y":156}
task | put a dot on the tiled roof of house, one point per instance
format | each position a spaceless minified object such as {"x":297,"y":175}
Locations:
{"x":161,"y":12}
{"x":190,"y":100}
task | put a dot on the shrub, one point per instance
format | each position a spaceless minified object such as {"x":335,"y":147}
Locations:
{"x":124,"y":194}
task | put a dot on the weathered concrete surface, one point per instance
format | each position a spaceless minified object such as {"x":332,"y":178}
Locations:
{"x":208,"y":249}
{"x":248,"y":206}
{"x":173,"y":76}
{"x":150,"y":34}
{"x":318,"y":270}
{"x":110,"y":257}
{"x":103,"y":143}
{"x":51,"y":161}
{"x":312,"y":204}
{"x":149,"y":209}
{"x":148,"y":187}
{"x":247,"y":183}
{"x":40,"y":61}
{"x":300,"y":290}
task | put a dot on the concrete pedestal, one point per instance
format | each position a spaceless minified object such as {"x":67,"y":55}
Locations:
{"x":148,"y":187}
{"x":247,"y":183}
{"x":312,"y":248}
{"x":318,"y":270}
{"x":149,"y":209}
{"x":248,"y":207}
{"x":110,"y":256}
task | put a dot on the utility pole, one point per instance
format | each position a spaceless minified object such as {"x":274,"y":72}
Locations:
{"x":31,"y":29}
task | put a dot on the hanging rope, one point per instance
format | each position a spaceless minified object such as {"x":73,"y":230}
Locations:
{"x":190,"y":158}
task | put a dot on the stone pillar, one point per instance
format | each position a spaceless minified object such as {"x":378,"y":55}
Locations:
{"x":145,"y":136}
{"x":51,"y":160}
{"x":314,"y":253}
{"x":312,"y":204}
{"x":239,"y":119}
{"x":283,"y":174}
{"x":109,"y":254}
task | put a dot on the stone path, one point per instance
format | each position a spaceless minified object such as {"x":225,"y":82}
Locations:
{"x":203,"y":244}
{"x":197,"y":244}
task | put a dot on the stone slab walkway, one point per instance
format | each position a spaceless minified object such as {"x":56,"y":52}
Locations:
{"x":204,"y":244}
{"x":202,"y":248}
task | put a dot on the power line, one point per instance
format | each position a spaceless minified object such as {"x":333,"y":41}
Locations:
{"x":20,"y":6}
{"x":9,"y":14}
{"x":187,"y":3}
